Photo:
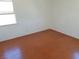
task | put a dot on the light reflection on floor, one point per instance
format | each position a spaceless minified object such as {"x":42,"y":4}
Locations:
{"x":13,"y":53}
{"x":76,"y":55}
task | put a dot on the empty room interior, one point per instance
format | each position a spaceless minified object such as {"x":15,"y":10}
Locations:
{"x":39,"y":29}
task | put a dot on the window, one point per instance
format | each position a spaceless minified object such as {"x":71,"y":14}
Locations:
{"x":7,"y":15}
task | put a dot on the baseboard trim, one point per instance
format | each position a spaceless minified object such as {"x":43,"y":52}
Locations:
{"x":39,"y":32}
{"x":63,"y":33}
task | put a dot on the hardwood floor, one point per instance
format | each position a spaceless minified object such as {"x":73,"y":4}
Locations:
{"x":47,"y":44}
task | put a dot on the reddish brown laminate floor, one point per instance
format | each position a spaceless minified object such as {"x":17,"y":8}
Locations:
{"x":47,"y":44}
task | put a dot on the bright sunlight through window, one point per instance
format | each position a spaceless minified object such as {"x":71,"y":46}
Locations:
{"x":7,"y":15}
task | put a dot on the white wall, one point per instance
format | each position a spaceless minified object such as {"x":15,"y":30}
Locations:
{"x":30,"y":16}
{"x":37,"y":15}
{"x":64,"y":16}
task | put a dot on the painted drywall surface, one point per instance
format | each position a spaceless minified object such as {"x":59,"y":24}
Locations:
{"x":30,"y":16}
{"x":64,"y":16}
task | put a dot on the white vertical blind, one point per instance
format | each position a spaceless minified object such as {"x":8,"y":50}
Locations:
{"x":7,"y":15}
